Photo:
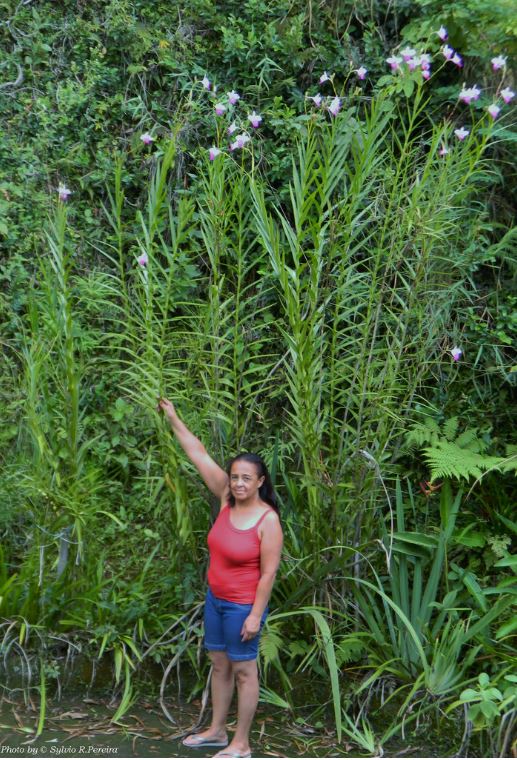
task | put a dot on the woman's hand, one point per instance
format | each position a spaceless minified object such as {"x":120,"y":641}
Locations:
{"x":214,"y":476}
{"x":166,"y":406}
{"x":250,"y":627}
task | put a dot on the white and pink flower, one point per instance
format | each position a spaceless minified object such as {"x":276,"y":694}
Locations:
{"x":456,"y":353}
{"x":507,"y":94}
{"x":408,"y":53}
{"x":254,"y":119}
{"x":461,"y":133}
{"x":468,"y":94}
{"x":494,"y":110}
{"x":394,"y":61}
{"x":499,"y":62}
{"x":240,"y":141}
{"x":213,"y":153}
{"x":335,"y":106}
{"x":64,"y":192}
{"x":316,"y":99}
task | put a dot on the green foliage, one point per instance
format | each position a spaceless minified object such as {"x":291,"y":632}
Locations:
{"x":463,"y":21}
{"x":417,"y":634}
{"x":487,"y":702}
{"x":456,"y":456}
{"x":452,"y":460}
{"x":299,"y":297}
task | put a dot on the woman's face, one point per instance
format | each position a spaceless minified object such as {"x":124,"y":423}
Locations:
{"x":244,"y":480}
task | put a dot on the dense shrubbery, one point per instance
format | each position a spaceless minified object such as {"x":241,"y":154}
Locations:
{"x":301,"y":296}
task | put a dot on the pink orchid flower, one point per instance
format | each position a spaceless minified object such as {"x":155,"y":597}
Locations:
{"x":233,"y":97}
{"x":220,"y":108}
{"x":494,"y":110}
{"x":442,"y":33}
{"x":425,"y":60}
{"x":207,"y":84}
{"x":394,"y":61}
{"x":426,"y":73}
{"x":64,"y":192}
{"x":232,"y":128}
{"x":461,"y":133}
{"x":412,"y":63}
{"x":324,"y":78}
{"x":457,"y":60}
{"x":407,"y":53}
{"x":143,"y":260}
{"x":456,"y":353}
{"x":335,"y":106}
{"x":240,"y":141}
{"x":146,"y":138}
{"x":361,"y":72}
{"x":213,"y":153}
{"x":316,"y":99}
{"x":507,"y":94}
{"x":469,"y":93}
{"x":499,"y":62}
{"x":443,"y":150}
{"x":254,"y":119}
{"x":448,"y":52}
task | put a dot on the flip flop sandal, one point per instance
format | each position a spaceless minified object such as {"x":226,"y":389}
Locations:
{"x":232,"y":754}
{"x":203,"y":742}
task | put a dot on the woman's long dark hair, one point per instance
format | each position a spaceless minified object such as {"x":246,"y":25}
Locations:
{"x":266,"y":490}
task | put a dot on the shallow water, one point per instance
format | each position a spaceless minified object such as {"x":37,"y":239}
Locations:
{"x":79,"y":725}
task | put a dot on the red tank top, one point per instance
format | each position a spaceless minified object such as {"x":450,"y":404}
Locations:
{"x":234,"y":570}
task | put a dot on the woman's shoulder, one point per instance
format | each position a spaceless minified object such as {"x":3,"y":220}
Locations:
{"x":264,"y":510}
{"x":269,"y":520}
{"x":271,"y":515}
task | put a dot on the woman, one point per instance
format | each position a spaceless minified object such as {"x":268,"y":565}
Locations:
{"x":245,"y":544}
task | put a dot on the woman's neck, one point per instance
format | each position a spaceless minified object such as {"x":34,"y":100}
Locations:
{"x":251,"y":503}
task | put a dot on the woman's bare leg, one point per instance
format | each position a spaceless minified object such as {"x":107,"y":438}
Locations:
{"x":246,"y":677}
{"x":222,"y":688}
{"x":223,"y":684}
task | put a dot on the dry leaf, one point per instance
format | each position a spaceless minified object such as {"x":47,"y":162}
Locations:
{"x":72,"y":714}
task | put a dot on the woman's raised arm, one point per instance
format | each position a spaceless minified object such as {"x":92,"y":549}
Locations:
{"x":214,"y":476}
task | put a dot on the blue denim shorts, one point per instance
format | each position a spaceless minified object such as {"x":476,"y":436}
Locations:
{"x":223,"y":624}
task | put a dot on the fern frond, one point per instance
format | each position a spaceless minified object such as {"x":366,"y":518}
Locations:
{"x":509,"y":464}
{"x":470,"y":440}
{"x":270,"y":644}
{"x":448,"y":460}
{"x":424,"y":432}
{"x":351,"y":648}
{"x":450,"y":428}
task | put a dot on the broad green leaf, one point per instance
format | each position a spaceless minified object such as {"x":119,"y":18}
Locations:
{"x":507,"y":561}
{"x":420,"y":539}
{"x":507,"y":628}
